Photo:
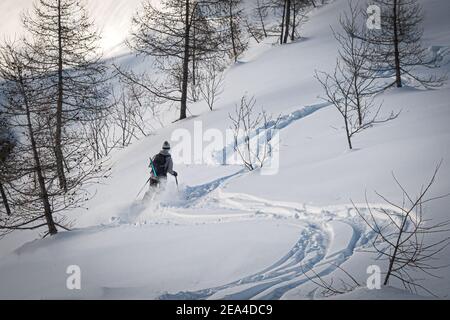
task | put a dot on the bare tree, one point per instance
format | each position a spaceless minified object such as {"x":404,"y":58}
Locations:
{"x":183,"y":31}
{"x":354,"y":54}
{"x":407,"y":240}
{"x":330,"y":288}
{"x":129,"y":115}
{"x":313,"y":2}
{"x":249,"y":126}
{"x":338,"y":88}
{"x":352,"y":86}
{"x":123,"y":115}
{"x":397,"y":46}
{"x":264,"y":147}
{"x":7,"y":145}
{"x":100,"y":134}
{"x":300,"y":9}
{"x":212,"y":84}
{"x":38,"y":199}
{"x":145,"y":91}
{"x":291,"y":15}
{"x":129,"y":118}
{"x":20,"y":100}
{"x":261,"y":14}
{"x":234,"y":14}
{"x":64,"y":46}
{"x":144,"y":110}
{"x":285,"y":26}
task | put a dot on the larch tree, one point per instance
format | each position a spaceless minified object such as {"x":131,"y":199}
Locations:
{"x":7,"y":145}
{"x":24,"y":105}
{"x":351,"y":88}
{"x":397,"y":49}
{"x":354,"y":54}
{"x":234,"y":14}
{"x":291,"y":12}
{"x":64,"y":46}
{"x":178,"y":36}
{"x":34,"y":179}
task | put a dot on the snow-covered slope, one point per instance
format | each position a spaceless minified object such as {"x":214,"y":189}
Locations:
{"x":231,"y":234}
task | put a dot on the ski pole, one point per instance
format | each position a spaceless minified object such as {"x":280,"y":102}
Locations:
{"x":176,"y":180}
{"x":143,"y":188}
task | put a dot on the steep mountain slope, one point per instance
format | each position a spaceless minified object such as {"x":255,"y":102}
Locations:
{"x":227,"y":233}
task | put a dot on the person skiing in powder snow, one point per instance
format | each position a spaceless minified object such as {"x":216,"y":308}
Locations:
{"x":161,"y":163}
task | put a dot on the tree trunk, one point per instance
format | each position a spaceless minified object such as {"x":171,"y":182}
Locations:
{"x":347,"y":129}
{"x":38,"y":168}
{"x":282,"y":22}
{"x":5,"y":200}
{"x":233,"y":36}
{"x":287,"y":21}
{"x":393,"y":257}
{"x":398,"y":76}
{"x":294,"y":20}
{"x":358,"y":101}
{"x":184,"y":85}
{"x":263,"y":26}
{"x":349,"y":139}
{"x":194,"y":46}
{"x":59,"y":109}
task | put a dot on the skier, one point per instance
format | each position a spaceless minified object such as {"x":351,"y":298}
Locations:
{"x":160,"y":165}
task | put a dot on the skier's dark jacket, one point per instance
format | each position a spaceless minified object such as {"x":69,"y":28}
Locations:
{"x":163,"y":164}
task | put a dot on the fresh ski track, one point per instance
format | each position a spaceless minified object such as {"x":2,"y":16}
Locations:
{"x":328,"y":236}
{"x":315,"y":248}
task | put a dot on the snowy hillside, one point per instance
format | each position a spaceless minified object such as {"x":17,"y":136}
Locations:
{"x":230,"y":234}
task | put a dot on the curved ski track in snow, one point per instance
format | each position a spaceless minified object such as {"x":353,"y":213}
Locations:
{"x":283,"y":122}
{"x":328,"y":238}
